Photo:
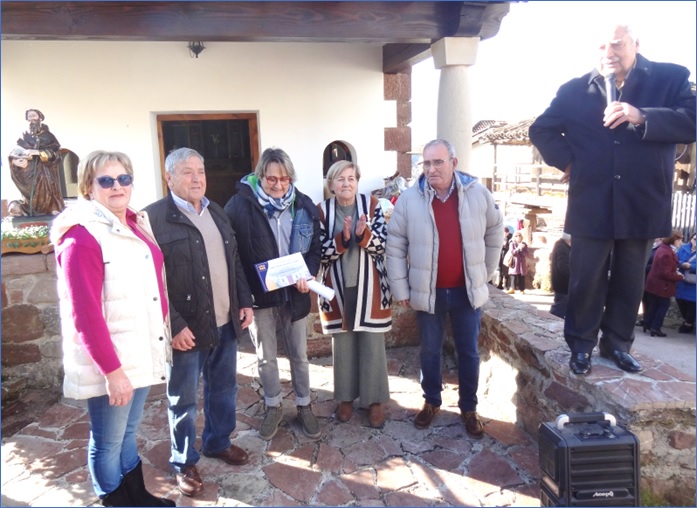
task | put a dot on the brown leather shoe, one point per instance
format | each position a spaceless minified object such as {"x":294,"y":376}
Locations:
{"x":189,"y":481}
{"x":425,"y":417}
{"x":473,"y":426}
{"x":376,"y":415}
{"x":235,"y":456}
{"x":344,"y":411}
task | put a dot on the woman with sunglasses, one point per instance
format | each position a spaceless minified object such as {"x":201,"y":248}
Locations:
{"x":114,"y":318}
{"x":272,"y":218}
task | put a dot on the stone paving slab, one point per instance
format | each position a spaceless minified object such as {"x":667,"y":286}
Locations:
{"x":44,"y":464}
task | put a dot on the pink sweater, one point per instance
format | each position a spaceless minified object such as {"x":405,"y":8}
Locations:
{"x":80,"y":257}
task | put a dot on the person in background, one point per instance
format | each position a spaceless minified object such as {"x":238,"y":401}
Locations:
{"x":519,"y":270}
{"x":503,"y":281}
{"x":211,"y":305}
{"x":560,"y":275}
{"x":353,"y":234}
{"x":661,"y":283}
{"x":618,"y":157}
{"x":685,"y":292}
{"x":273,"y":218}
{"x":443,"y":246}
{"x":645,"y":296}
{"x":114,"y":319}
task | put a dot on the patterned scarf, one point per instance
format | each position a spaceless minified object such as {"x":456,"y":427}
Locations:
{"x":268,"y":203}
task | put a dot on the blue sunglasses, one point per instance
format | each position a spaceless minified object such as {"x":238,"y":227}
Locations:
{"x":107,"y":182}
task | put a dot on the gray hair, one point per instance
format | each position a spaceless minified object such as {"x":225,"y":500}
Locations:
{"x":278,"y":156}
{"x":601,"y":31}
{"x":339,"y":166}
{"x":180,"y":155}
{"x":446,"y":144}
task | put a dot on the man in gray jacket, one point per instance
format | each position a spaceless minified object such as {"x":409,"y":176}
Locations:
{"x":443,"y":246}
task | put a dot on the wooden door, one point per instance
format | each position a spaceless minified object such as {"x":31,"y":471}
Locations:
{"x":228,"y":143}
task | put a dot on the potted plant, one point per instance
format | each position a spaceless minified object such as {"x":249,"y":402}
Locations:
{"x":28,"y":239}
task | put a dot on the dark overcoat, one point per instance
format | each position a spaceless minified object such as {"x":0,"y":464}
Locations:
{"x":621,"y":179}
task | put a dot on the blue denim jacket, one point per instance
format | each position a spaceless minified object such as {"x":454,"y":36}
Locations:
{"x":301,"y":232}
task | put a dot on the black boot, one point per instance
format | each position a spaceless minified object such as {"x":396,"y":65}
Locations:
{"x":135,"y":484}
{"x":119,"y":497}
{"x":686,"y":328}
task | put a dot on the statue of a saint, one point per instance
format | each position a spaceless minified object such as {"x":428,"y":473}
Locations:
{"x":34,"y":167}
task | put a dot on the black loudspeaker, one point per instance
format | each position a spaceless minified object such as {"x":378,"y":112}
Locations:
{"x":587,"y":460}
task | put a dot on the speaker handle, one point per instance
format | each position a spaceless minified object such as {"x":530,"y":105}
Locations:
{"x":584,"y":418}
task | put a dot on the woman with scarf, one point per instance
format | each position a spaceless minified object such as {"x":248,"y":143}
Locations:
{"x":271,"y":218}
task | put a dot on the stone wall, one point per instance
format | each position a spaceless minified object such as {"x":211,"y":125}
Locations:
{"x":31,"y":337}
{"x":524,"y":368}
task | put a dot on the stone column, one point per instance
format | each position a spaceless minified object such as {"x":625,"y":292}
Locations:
{"x":453,"y":56}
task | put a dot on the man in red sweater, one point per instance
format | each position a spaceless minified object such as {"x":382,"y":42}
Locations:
{"x":443,"y":246}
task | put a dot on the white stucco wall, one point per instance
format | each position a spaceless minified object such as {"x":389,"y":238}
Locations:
{"x":105,"y":95}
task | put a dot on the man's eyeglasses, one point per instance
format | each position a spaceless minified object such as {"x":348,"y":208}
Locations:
{"x":273,"y":180}
{"x":436,"y":164}
{"x":107,"y":182}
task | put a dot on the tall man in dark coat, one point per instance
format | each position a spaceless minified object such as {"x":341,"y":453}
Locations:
{"x":618,"y":158}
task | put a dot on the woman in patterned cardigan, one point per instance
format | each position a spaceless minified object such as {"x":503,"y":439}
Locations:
{"x":353,"y":233}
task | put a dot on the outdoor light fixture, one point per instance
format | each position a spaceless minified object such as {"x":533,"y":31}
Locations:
{"x":195,"y":48}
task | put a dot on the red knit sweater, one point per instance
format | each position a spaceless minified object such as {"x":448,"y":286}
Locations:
{"x":451,"y":267}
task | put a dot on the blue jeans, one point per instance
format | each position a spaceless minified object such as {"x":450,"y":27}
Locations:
{"x":112,"y":451}
{"x":465,"y":323}
{"x":219,"y":368}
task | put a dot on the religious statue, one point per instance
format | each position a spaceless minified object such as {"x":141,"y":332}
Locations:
{"x":34,"y":167}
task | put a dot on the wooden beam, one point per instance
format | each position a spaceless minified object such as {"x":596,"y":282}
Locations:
{"x":399,"y":57}
{"x":383,"y":22}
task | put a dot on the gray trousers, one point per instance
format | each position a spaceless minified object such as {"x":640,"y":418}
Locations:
{"x":268,"y":325}
{"x":360,"y":363}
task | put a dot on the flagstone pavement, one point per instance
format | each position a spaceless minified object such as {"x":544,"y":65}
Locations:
{"x":44,"y":464}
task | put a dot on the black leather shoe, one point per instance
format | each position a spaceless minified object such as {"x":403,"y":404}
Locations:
{"x":623,"y":360}
{"x":657,"y":333}
{"x":580,"y":363}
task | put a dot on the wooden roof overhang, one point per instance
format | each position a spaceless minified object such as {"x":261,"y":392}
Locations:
{"x":404,"y":29}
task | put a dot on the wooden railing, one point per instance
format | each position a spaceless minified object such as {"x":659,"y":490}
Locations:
{"x":684,"y":212}
{"x":540,"y":180}
{"x":529,"y":178}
